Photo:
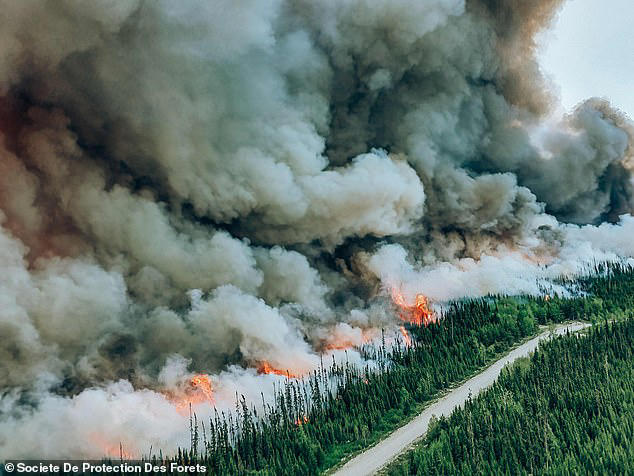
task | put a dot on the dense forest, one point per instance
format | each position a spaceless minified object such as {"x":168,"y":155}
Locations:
{"x":313,"y":424}
{"x":567,"y":410}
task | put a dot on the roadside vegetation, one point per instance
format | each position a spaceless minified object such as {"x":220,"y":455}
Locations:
{"x":567,"y":410}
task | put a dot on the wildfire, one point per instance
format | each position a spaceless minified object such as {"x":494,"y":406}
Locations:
{"x":197,"y":390}
{"x":301,"y":420}
{"x":109,"y":449}
{"x":342,"y":341}
{"x":266,"y":368}
{"x":202,"y":384}
{"x":406,"y":336}
{"x":418,"y":314}
{"x":338,"y":345}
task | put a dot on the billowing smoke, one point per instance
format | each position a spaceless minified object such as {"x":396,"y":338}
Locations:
{"x":211,"y":186}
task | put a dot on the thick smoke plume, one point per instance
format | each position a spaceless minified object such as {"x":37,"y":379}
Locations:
{"x":207,"y":186}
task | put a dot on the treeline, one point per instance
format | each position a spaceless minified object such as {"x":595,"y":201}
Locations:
{"x":341,"y":408}
{"x":313,"y":424}
{"x":567,"y":410}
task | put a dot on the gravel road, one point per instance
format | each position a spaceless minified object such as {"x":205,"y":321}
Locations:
{"x":374,"y":458}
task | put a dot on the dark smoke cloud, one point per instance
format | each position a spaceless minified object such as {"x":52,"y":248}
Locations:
{"x":206,"y":185}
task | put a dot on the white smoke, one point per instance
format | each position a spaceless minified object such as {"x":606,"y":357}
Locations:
{"x":206,"y":186}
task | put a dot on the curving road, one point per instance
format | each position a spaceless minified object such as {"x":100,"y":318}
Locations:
{"x":374,"y":458}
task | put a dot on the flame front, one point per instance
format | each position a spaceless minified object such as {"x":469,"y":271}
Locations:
{"x":418,"y":313}
{"x":302,"y":420}
{"x":406,"y":337}
{"x":342,"y":340}
{"x":202,"y":384}
{"x":267,"y":368}
{"x":109,"y":448}
{"x":196,"y":390}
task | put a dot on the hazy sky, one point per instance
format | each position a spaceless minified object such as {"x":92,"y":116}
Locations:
{"x":590,"y":52}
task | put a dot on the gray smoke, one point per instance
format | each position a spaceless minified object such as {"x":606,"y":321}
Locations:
{"x":204,"y":186}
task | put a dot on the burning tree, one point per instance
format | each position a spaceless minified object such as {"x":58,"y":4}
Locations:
{"x":418,"y":313}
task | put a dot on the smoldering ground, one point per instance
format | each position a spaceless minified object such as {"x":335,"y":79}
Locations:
{"x":203,"y":186}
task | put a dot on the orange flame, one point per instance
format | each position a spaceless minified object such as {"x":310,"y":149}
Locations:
{"x":406,"y":336}
{"x":198,"y":389}
{"x":266,"y":368}
{"x":418,"y":314}
{"x":109,"y":449}
{"x":343,"y":345}
{"x":301,"y":420}
{"x":202,"y":384}
{"x":337,"y":341}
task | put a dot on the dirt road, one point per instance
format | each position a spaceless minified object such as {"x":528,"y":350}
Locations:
{"x":374,"y":458}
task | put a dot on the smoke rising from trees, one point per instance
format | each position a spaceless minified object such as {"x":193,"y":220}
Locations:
{"x":237,"y":182}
